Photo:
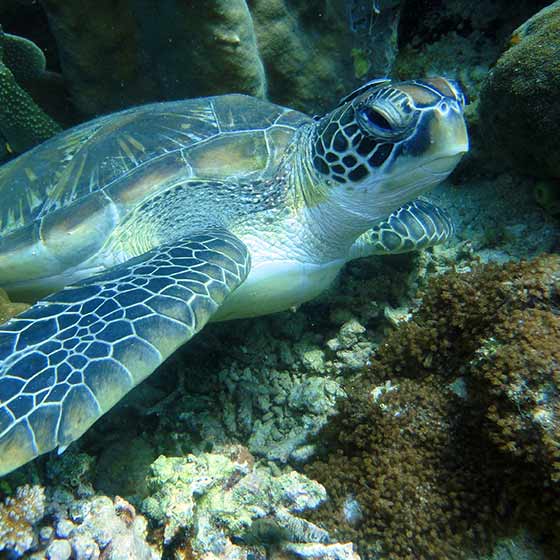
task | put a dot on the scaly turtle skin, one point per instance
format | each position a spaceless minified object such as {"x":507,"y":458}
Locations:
{"x":146,"y":224}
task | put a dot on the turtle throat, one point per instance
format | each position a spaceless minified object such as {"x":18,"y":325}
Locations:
{"x":333,"y":220}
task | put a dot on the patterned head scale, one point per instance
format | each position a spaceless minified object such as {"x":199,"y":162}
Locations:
{"x":377,"y":127}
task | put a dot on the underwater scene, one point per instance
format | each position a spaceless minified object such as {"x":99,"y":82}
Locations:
{"x":280,"y":279}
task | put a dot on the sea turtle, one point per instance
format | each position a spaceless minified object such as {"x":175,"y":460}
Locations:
{"x":146,"y":224}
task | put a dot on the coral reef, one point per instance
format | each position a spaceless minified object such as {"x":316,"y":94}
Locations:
{"x":95,"y":527}
{"x":465,"y":391}
{"x":524,"y":129}
{"x":515,"y":377}
{"x":224,"y":506}
{"x":22,"y":122}
{"x":459,"y":311}
{"x":295,"y":53}
{"x":18,"y":515}
{"x":405,"y":479}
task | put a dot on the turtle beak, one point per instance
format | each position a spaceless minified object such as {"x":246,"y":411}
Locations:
{"x":448,"y":137}
{"x":445,"y":103}
{"x":450,"y":128}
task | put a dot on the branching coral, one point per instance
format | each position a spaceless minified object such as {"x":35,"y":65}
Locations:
{"x":17,"y":516}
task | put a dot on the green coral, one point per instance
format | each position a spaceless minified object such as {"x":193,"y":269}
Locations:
{"x":23,"y":124}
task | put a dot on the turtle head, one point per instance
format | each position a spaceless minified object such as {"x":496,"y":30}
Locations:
{"x":387,"y":142}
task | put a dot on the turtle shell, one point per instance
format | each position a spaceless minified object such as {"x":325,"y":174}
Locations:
{"x":74,"y":182}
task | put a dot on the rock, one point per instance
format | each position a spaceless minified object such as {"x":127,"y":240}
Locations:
{"x":396,"y":315}
{"x":516,"y":108}
{"x":100,"y":55}
{"x":323,"y":551}
{"x":348,"y":335}
{"x":547,"y":195}
{"x":63,"y":528}
{"x":85,"y":548}
{"x":315,"y":395}
{"x":123,"y":466}
{"x":46,"y":534}
{"x":305,"y":47}
{"x":73,"y":471}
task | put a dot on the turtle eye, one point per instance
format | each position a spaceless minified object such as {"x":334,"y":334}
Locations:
{"x":380,"y":124}
{"x":387,"y":116}
{"x":377,"y":120}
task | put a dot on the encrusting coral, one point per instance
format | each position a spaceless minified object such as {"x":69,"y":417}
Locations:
{"x":18,"y":515}
{"x":453,"y":433}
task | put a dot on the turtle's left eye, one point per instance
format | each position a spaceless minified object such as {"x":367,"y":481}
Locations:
{"x":385,"y":118}
{"x":377,"y":119}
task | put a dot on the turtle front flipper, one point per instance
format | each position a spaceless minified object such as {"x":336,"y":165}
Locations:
{"x":71,"y":357}
{"x":416,"y":225}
